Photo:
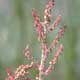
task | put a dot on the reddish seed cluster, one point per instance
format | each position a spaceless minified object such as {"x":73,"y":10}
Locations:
{"x":57,"y":54}
{"x":48,"y":70}
{"x":58,"y":37}
{"x":55,"y":23}
{"x":42,"y":28}
{"x":9,"y":73}
{"x":28,"y":53}
{"x":47,"y":12}
{"x":38,"y":25}
{"x":21,"y":71}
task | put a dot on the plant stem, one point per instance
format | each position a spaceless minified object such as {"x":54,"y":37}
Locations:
{"x":41,"y":63}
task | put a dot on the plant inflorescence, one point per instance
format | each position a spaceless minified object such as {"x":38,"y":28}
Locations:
{"x":42,"y":29}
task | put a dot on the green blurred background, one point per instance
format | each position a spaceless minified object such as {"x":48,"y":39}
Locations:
{"x":16,"y":30}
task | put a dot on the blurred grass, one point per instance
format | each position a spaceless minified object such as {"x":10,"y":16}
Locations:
{"x":16,"y":30}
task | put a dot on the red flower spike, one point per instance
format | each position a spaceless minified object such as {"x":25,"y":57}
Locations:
{"x":27,"y":53}
{"x":58,"y":37}
{"x":47,"y":12}
{"x":48,"y":70}
{"x":9,"y":73}
{"x":55,"y":23}
{"x":57,"y":54}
